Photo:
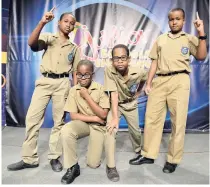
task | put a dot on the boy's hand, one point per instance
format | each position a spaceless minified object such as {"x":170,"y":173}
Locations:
{"x":137,"y":94}
{"x":199,"y":25}
{"x":113,"y":125}
{"x":48,"y":16}
{"x":148,"y":89}
{"x":84,"y":93}
{"x":99,"y":120}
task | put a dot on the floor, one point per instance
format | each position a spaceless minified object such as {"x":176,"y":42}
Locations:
{"x":194,"y":168}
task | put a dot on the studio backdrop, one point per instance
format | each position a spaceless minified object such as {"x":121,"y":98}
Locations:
{"x":101,"y":25}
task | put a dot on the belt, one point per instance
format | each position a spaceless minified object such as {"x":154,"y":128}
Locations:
{"x":126,"y":101}
{"x":173,"y":73}
{"x":55,"y":76}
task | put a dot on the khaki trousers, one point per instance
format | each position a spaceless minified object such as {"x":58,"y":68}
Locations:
{"x":172,"y":92}
{"x":98,"y":139}
{"x":45,"y":89}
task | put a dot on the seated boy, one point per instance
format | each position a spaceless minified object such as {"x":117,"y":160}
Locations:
{"x":88,"y":106}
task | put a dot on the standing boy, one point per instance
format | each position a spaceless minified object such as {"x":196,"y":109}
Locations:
{"x":123,"y":83}
{"x":59,"y":59}
{"x":170,"y":61}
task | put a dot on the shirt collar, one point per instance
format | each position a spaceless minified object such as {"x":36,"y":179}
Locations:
{"x":56,"y":35}
{"x":93,"y":86}
{"x":182,"y":33}
{"x":131,"y":71}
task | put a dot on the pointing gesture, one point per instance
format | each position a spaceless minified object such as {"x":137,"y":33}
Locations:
{"x":199,"y":24}
{"x":48,"y":16}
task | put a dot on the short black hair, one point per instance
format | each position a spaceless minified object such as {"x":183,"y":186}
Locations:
{"x":65,"y":13}
{"x":121,"y":46}
{"x":177,"y":9}
{"x":86,"y":63}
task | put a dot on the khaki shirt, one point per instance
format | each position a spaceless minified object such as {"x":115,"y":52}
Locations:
{"x":172,"y":54}
{"x":75,"y":103}
{"x":57,"y":58}
{"x":114,"y":81}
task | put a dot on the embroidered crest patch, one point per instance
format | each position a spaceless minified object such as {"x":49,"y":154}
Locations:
{"x":133,"y":89}
{"x":71,"y":56}
{"x":184,"y":50}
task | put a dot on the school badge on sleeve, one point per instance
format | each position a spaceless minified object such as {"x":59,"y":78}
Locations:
{"x":184,"y":50}
{"x":133,"y":89}
{"x":71,"y":56}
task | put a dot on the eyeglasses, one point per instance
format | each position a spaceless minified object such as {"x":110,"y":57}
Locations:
{"x":117,"y":58}
{"x":86,"y":76}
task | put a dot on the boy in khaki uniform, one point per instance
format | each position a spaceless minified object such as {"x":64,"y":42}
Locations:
{"x":88,"y":106}
{"x":170,"y":61}
{"x":123,"y":82}
{"x":59,"y":59}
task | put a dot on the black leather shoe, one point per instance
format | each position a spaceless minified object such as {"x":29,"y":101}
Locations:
{"x":169,"y":167}
{"x":71,"y":174}
{"x":141,"y":160}
{"x":112,"y":174}
{"x":56,"y":165}
{"x":21,"y":165}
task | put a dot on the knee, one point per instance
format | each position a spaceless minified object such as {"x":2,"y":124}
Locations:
{"x":93,"y":164}
{"x":67,"y":131}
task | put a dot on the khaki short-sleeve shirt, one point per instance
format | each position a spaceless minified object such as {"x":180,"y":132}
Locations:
{"x":114,"y":81}
{"x":75,"y":103}
{"x":57,"y":58}
{"x":172,"y":53}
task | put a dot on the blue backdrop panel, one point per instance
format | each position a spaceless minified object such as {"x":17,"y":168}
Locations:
{"x":101,"y":25}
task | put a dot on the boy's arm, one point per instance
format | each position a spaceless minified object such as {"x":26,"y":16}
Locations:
{"x":74,"y":77}
{"x":111,"y":87}
{"x":114,"y":123}
{"x":201,"y":49}
{"x":152,"y":71}
{"x":34,"y":37}
{"x":99,"y":111}
{"x":140,"y":89}
{"x":85,"y":118}
{"x":77,"y":58}
{"x":141,"y":86}
{"x":153,"y":67}
{"x":71,"y":107}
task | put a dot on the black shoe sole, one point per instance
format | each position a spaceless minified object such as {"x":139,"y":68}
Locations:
{"x":140,"y":163}
{"x":167,"y":171}
{"x":17,"y":169}
{"x":69,"y":182}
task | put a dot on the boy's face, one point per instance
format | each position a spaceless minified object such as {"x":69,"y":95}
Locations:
{"x":66,"y":24}
{"x":176,"y":21}
{"x":120,"y":59}
{"x":84,"y":75}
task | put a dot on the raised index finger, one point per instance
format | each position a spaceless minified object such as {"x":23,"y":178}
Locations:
{"x":197,"y":16}
{"x":52,"y":9}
